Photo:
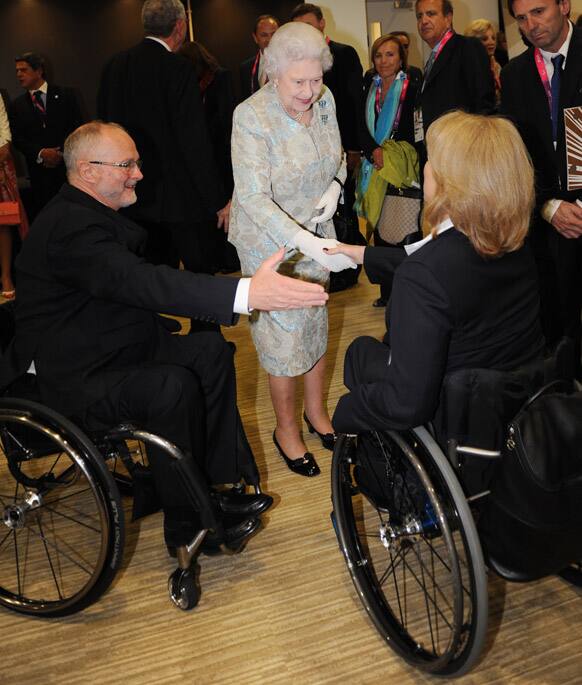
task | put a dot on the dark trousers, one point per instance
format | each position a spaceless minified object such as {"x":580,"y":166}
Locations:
{"x":559,"y":263}
{"x":366,"y":361}
{"x":191,"y":402}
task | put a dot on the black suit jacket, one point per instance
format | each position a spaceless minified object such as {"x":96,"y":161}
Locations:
{"x":218,"y":102}
{"x":460,"y":78}
{"x":249,"y":82}
{"x":450,"y":309}
{"x":344,"y":80}
{"x":87,"y":302}
{"x":524,"y":100}
{"x":154,"y":94}
{"x":29,"y":135}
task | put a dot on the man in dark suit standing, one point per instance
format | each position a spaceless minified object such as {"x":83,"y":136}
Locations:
{"x":252,"y":70}
{"x":536,"y":88}
{"x":344,"y":79}
{"x":86,"y":322}
{"x":457,"y":74}
{"x":40,"y":121}
{"x":154,"y":94}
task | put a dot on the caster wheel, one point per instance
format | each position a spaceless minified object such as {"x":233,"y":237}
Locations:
{"x":573,"y":574}
{"x":183,"y":589}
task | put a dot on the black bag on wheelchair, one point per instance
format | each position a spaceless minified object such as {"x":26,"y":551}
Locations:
{"x":531,"y":525}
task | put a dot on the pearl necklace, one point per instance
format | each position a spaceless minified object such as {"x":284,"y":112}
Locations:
{"x":296,"y":117}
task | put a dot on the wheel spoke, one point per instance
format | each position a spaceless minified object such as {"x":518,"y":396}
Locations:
{"x":71,"y":518}
{"x":48,"y":556}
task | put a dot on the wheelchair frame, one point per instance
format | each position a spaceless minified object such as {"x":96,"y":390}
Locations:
{"x":63,"y":532}
{"x":415,"y":556}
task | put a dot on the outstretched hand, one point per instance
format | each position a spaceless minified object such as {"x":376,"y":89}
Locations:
{"x":354,"y":252}
{"x":270,"y":291}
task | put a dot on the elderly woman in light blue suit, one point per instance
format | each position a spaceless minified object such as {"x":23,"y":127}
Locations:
{"x":289,"y":169}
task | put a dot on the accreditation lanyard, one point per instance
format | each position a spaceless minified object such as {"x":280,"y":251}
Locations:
{"x":443,"y":41}
{"x":541,"y":66}
{"x":400,"y":104}
{"x":254,"y":70}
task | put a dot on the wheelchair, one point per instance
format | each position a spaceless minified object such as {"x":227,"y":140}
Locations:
{"x":406,"y":512}
{"x":63,"y":525}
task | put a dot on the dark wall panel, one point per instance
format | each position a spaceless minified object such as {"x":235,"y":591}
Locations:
{"x":78,"y":36}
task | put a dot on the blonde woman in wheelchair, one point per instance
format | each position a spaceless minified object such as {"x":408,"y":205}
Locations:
{"x":464,"y":298}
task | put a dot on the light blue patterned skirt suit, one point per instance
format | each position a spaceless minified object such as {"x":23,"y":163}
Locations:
{"x":281,"y":170}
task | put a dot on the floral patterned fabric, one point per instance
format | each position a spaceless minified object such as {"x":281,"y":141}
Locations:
{"x":281,"y":170}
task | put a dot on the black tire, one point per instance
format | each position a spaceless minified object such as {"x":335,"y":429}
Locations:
{"x":62,"y":531}
{"x":414,"y":557}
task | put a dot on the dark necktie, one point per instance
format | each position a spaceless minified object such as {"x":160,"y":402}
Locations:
{"x":557,"y":61}
{"x":39,"y":105}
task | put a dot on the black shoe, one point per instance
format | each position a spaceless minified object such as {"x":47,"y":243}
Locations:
{"x":241,"y":504}
{"x":327,"y":439}
{"x":380,"y":302}
{"x":237,"y":532}
{"x":304,"y":466}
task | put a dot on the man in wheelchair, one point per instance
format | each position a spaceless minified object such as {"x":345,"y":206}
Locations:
{"x":87,"y":326}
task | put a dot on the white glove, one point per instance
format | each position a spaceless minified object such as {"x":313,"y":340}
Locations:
{"x":312,"y":246}
{"x":328,"y":203}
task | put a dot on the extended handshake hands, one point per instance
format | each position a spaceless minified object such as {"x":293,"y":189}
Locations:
{"x":313,"y":247}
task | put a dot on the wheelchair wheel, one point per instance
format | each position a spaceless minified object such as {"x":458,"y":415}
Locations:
{"x":62,"y":532}
{"x":414,"y":557}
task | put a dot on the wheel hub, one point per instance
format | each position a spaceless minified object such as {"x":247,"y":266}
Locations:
{"x":15,"y":514}
{"x":410,"y":532}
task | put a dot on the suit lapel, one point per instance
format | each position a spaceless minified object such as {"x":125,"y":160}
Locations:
{"x":537,"y":102}
{"x":571,"y":83}
{"x":443,"y":59}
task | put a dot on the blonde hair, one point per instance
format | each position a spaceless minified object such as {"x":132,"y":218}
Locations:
{"x":484,"y":181}
{"x":479,"y":28}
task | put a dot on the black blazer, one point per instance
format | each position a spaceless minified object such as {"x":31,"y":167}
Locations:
{"x":154,"y":94}
{"x":249,"y":82}
{"x":218,"y":102}
{"x":450,"y":309}
{"x":87,"y":302}
{"x":460,"y":78}
{"x":406,"y":126}
{"x":29,"y":135}
{"x":524,"y":100}
{"x":344,"y":80}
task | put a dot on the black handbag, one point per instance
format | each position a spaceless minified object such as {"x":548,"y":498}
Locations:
{"x":347,"y":230}
{"x":531,"y":525}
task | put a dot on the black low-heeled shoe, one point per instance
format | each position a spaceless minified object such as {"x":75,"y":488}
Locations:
{"x":304,"y":466}
{"x":327,"y":439}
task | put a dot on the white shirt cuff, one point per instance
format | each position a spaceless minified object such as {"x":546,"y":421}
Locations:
{"x":241,"y":298}
{"x":549,"y":208}
{"x":39,"y":159}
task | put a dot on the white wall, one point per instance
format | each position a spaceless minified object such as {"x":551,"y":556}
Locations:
{"x":345,"y":22}
{"x":514,"y":43}
{"x":404,"y":20}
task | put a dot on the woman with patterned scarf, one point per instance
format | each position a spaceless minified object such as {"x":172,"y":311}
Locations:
{"x":388,"y":190}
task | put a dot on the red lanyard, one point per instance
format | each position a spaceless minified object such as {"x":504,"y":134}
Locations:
{"x":541,"y":65}
{"x":444,"y":40}
{"x":254,"y":70}
{"x":400,"y":104}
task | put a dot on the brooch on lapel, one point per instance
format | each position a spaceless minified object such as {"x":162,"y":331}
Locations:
{"x":324,"y":117}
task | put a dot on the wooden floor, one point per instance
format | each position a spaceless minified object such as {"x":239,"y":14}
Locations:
{"x":283,"y":611}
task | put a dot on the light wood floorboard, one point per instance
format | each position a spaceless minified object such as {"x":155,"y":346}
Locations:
{"x":283,"y":611}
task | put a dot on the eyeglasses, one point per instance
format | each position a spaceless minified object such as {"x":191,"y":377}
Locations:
{"x":130,"y":165}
